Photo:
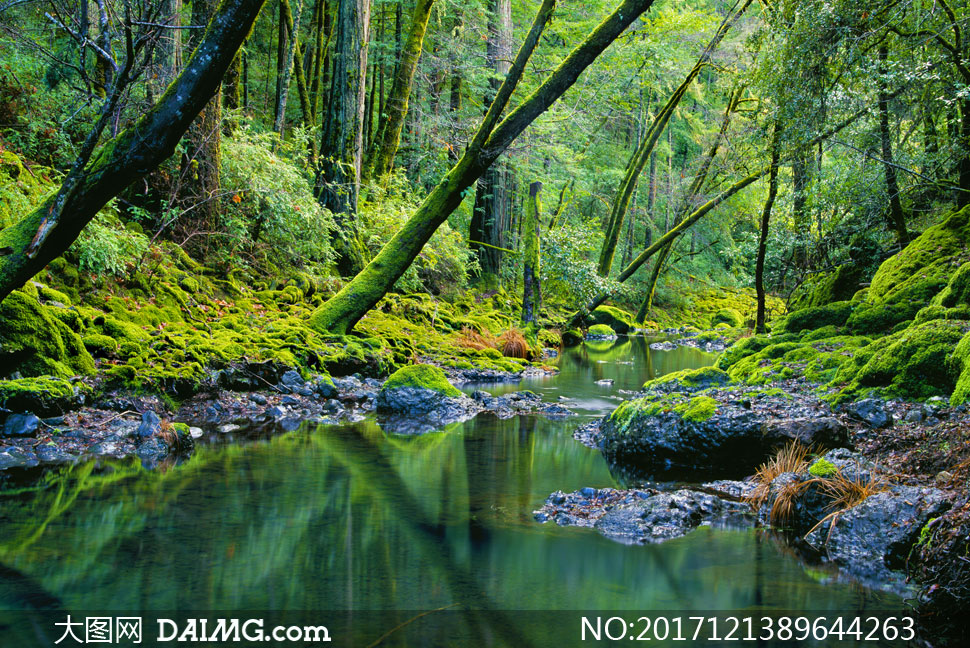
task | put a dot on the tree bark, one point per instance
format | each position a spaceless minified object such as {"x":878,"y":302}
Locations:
{"x":759,"y":270}
{"x":531,"y":288}
{"x":205,"y":151}
{"x":490,"y":218}
{"x":896,"y":219}
{"x":291,"y":19}
{"x":389,"y":134}
{"x":621,"y":201}
{"x":344,"y":310}
{"x":342,"y":143}
{"x":29,"y":245}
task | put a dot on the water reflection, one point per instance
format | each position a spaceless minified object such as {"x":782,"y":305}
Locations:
{"x":350,"y":518}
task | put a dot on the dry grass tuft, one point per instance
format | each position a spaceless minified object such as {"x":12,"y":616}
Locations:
{"x":792,"y":458}
{"x":512,"y":343}
{"x":472,"y":339}
{"x":844,"y":494}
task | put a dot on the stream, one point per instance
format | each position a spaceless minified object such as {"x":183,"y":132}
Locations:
{"x":362,"y":531}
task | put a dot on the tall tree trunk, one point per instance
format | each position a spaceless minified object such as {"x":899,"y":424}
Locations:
{"x":489,"y":217}
{"x":232,"y":84}
{"x":205,"y":136}
{"x":531,"y":289}
{"x":342,"y":312}
{"x":342,"y":142}
{"x":621,"y":201}
{"x":292,"y":21}
{"x":759,"y":270}
{"x":896,"y":219}
{"x":45,"y":233}
{"x":963,"y":198}
{"x":800,"y":215}
{"x":389,"y":135}
{"x":693,"y":191}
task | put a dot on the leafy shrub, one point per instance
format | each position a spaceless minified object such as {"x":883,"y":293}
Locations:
{"x":568,"y":268}
{"x":445,"y":261}
{"x":270,"y":212}
{"x":105,"y":246}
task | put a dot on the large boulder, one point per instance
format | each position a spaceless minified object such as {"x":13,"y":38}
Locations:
{"x":677,"y":435}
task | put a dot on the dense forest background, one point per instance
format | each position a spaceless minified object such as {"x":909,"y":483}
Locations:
{"x":864,"y":107}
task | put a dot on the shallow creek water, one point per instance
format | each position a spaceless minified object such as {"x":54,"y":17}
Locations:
{"x":355,"y":527}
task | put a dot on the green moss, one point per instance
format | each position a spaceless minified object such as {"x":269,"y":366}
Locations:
{"x":35,"y":344}
{"x":822,"y":468}
{"x":616,"y":318}
{"x":42,"y":396}
{"x":957,"y":292}
{"x":51,"y":295}
{"x":423,"y":376}
{"x":698,"y":409}
{"x":728,"y":316}
{"x":959,"y":365}
{"x":837,"y":285}
{"x":913,"y":363}
{"x":601,"y":330}
{"x":834,"y":314}
{"x":100,"y":345}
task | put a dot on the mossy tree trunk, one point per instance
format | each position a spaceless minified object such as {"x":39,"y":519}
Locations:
{"x":396,"y":110}
{"x":490,"y":216}
{"x":292,"y":62}
{"x":759,"y":269}
{"x":531,"y":286}
{"x":342,"y":142}
{"x":494,"y":135}
{"x":642,"y":155}
{"x":29,"y":245}
{"x":896,"y":219}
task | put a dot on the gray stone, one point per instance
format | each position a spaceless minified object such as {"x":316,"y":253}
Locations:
{"x":150,"y":425}
{"x":872,"y":412}
{"x":292,"y":379}
{"x":21,"y":425}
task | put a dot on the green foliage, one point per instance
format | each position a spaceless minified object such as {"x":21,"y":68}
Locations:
{"x":698,"y":409}
{"x":568,"y":268}
{"x":34,"y":343}
{"x":105,"y":246}
{"x":690,"y":378}
{"x":424,"y":377}
{"x":269,"y":212}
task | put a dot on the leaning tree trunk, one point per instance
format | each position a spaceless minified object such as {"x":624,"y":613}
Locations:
{"x":531,"y":289}
{"x":700,"y":177}
{"x":624,"y":193}
{"x":489,"y":221}
{"x":29,"y":245}
{"x":344,"y":310}
{"x":389,"y":134}
{"x":759,"y":270}
{"x":342,"y":143}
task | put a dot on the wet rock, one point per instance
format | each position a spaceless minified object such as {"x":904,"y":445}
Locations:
{"x":292,"y":379}
{"x":107,"y":448}
{"x":348,"y":383}
{"x":605,"y":382}
{"x":876,"y":536}
{"x":250,"y":376}
{"x":290,"y":400}
{"x":21,"y":425}
{"x":152,"y":450}
{"x":259,"y":399}
{"x":275,"y":413}
{"x":195,"y":432}
{"x":870,"y":411}
{"x":663,"y":346}
{"x":730,"y":489}
{"x":325,"y":388}
{"x":825,"y":431}
{"x":228,"y":428}
{"x":432,"y":406}
{"x":150,"y":425}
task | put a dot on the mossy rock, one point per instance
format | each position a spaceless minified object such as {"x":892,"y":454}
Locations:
{"x":959,"y":365}
{"x":957,"y":291}
{"x":729,"y":316}
{"x":698,"y":409}
{"x":702,"y":378}
{"x":834,"y":314}
{"x":100,"y":346}
{"x":916,"y":362}
{"x":601,"y":331}
{"x":822,"y":468}
{"x":422,"y":376}
{"x":572,"y":337}
{"x":616,"y":318}
{"x":43,"y":396}
{"x":837,"y":285}
{"x":36,"y":344}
